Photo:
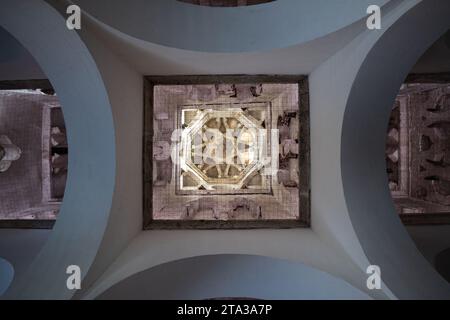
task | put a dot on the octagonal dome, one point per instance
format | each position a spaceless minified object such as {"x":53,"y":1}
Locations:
{"x":221,"y":148}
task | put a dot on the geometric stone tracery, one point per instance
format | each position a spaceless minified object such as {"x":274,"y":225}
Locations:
{"x":221,"y":149}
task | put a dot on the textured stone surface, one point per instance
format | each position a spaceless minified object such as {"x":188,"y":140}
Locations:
{"x":25,"y":188}
{"x":245,"y":189}
{"x":418,"y":149}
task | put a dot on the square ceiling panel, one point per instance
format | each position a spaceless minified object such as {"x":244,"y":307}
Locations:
{"x":226,"y":151}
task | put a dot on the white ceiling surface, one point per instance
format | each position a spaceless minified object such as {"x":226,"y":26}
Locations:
{"x":248,"y":276}
{"x":116,"y":260}
{"x":297,"y":58}
{"x":151,"y":58}
{"x":278,"y":24}
{"x":329,"y":217}
{"x":151,"y":248}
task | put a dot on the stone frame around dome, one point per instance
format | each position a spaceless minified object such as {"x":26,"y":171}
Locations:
{"x":303,"y":158}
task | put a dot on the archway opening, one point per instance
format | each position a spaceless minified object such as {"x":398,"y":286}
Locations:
{"x":418,"y":141}
{"x":33,"y":143}
{"x":418,"y":153}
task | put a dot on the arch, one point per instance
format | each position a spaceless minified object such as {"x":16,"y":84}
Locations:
{"x":380,"y":232}
{"x":232,"y":275}
{"x":267,"y":26}
{"x":84,"y":213}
